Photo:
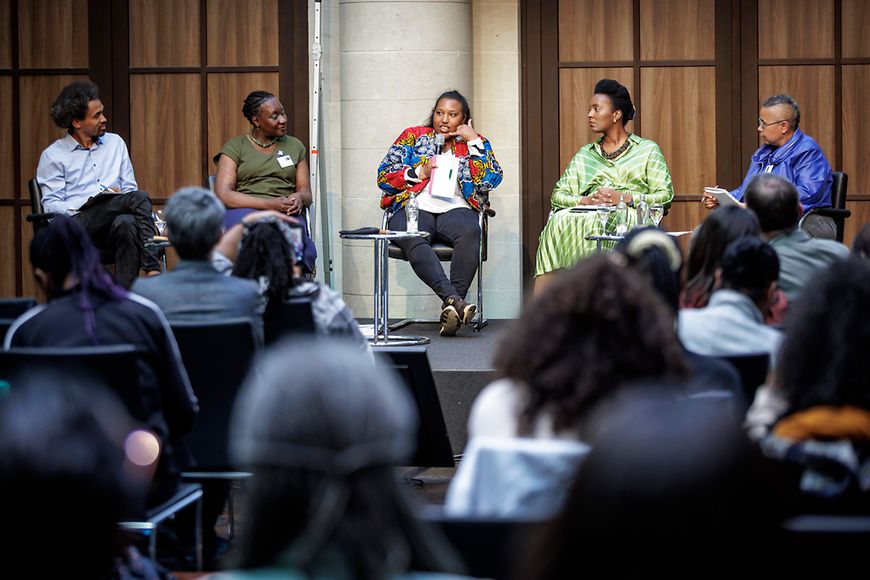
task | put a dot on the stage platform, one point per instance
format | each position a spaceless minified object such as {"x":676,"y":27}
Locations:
{"x":462,"y":367}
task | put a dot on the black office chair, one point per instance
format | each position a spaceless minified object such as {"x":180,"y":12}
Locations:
{"x":15,"y":307}
{"x":752,"y":369}
{"x":217,"y":357}
{"x":837,"y":211}
{"x":445,"y":254}
{"x":290,"y":316}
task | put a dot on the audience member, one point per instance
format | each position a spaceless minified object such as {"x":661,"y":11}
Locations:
{"x":801,"y":257}
{"x":732,"y":323}
{"x":322,"y":428}
{"x":88,"y":175}
{"x":596,"y":328}
{"x":194,"y":291}
{"x":86,"y":308}
{"x":825,"y":431}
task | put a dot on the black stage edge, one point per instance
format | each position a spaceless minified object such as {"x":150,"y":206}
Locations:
{"x":462,"y":366}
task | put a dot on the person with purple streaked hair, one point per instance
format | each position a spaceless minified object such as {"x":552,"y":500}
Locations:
{"x":86,"y":308}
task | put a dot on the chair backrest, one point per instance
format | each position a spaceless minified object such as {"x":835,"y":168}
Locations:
{"x":217,"y":357}
{"x":113,"y":367}
{"x":752,"y":369}
{"x":290,"y":316}
{"x":839,"y":188}
{"x":15,"y":307}
{"x":35,"y":191}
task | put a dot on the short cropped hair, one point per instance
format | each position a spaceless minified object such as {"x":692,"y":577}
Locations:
{"x":749,"y":265}
{"x":195,"y":218}
{"x":775,"y":100}
{"x":775,"y":201}
{"x":72,"y":103}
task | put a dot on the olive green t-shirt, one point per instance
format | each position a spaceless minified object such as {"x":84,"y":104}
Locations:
{"x":260,"y":174}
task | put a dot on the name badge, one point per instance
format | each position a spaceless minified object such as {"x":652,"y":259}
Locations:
{"x":284,"y":160}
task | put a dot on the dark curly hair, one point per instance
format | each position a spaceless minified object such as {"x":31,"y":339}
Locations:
{"x":833,"y":310}
{"x":722,"y":227}
{"x":266,"y":253}
{"x":596,"y":327}
{"x":618,"y":95}
{"x":252,"y":104}
{"x":456,"y":96}
{"x":72,"y":103}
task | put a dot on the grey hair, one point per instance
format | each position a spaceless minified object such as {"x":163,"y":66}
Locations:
{"x":775,"y":100}
{"x":322,"y":405}
{"x":195,"y":217}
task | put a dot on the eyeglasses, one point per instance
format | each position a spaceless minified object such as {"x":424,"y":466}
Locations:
{"x":764,"y":125}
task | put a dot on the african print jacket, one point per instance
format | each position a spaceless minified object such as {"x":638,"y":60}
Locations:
{"x":479,"y":172}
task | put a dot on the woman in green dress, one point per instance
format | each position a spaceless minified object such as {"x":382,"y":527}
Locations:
{"x":618,"y":165}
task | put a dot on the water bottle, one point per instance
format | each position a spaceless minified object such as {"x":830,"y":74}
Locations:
{"x":642,"y":212}
{"x":412,"y":211}
{"x":621,"y":217}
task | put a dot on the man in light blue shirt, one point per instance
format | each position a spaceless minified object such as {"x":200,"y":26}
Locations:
{"x":88,"y":175}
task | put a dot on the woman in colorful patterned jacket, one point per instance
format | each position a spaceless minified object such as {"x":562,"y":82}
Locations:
{"x":618,"y":165}
{"x":450,"y":217}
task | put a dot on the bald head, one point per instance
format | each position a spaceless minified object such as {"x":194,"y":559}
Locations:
{"x":775,"y":201}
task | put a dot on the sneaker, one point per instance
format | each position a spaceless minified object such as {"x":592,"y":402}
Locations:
{"x":450,"y":321}
{"x":465,"y":309}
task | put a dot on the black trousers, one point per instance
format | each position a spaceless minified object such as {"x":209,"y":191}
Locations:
{"x":122,"y":223}
{"x":459,"y":228}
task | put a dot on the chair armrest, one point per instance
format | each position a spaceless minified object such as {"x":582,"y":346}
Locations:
{"x":40,"y":217}
{"x":831,"y":212}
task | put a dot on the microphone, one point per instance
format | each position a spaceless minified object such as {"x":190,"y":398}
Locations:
{"x":439,"y":143}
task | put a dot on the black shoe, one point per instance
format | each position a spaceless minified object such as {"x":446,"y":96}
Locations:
{"x":465,"y":309}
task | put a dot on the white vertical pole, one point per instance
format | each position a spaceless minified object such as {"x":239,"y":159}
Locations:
{"x":314,"y":158}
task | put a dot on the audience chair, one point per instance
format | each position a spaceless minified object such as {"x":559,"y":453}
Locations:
{"x":15,"y":307}
{"x":217,"y":357}
{"x":824,"y":543}
{"x":837,"y":211}
{"x":289,"y":316}
{"x":752,"y":369}
{"x":445,"y":254}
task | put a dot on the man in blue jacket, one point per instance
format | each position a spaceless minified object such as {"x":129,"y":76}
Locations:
{"x":786,"y":151}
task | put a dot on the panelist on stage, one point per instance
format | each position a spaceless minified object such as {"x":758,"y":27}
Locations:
{"x":619,"y":165}
{"x":450,"y":214}
{"x":264,"y":168}
{"x":786,"y":151}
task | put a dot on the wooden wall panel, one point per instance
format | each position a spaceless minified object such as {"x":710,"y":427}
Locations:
{"x":53,"y":33}
{"x":38,"y":130}
{"x":860,"y":216}
{"x":164,"y":33}
{"x":679,"y":112}
{"x":226,"y":93}
{"x":856,"y":120}
{"x":596,"y":30}
{"x":7,"y":160}
{"x":677,"y":30}
{"x":5,"y":34}
{"x":685,"y":214}
{"x":795,"y":29}
{"x":813,"y":89}
{"x":856,"y":24}
{"x":166,"y":136}
{"x":7,"y":251}
{"x":242,"y":32}
{"x":576,"y":86}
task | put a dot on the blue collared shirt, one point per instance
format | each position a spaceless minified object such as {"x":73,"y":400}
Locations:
{"x":70,"y":174}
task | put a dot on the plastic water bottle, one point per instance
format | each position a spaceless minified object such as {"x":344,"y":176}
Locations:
{"x":412,"y":212}
{"x":621,"y":217}
{"x":642,"y":212}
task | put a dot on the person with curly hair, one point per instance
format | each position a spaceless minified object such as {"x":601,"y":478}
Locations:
{"x":406,"y":172}
{"x":87,"y":174}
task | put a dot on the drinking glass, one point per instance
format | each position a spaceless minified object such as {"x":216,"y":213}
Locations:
{"x":656,"y":212}
{"x":159,"y":222}
{"x":603,"y":215}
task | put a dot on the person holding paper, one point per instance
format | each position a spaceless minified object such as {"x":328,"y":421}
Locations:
{"x":786,"y":151}
{"x":87,"y":175}
{"x":618,"y":165}
{"x":451,"y":169}
{"x":264,"y":168}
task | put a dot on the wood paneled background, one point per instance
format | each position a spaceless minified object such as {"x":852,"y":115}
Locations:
{"x":697,"y":71}
{"x":172,"y":74}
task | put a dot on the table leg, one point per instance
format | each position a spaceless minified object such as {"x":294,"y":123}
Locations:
{"x":376,"y":331}
{"x":385,"y":280}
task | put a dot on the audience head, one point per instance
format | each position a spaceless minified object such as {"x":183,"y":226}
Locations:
{"x":722,"y":226}
{"x":833,"y":314}
{"x":656,"y":256}
{"x":194,"y":217}
{"x":619,"y":98}
{"x":269,"y":252}
{"x":72,"y":107}
{"x":750,"y":266}
{"x":668,"y":486}
{"x":61,"y":465}
{"x":460,"y":105}
{"x":322,"y":429}
{"x":861,"y":243}
{"x":596,"y":327}
{"x":775,"y":201}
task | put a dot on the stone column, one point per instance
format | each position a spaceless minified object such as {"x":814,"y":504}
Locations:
{"x":396,"y":58}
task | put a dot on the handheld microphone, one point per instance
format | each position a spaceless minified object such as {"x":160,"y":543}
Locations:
{"x":439,"y":143}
